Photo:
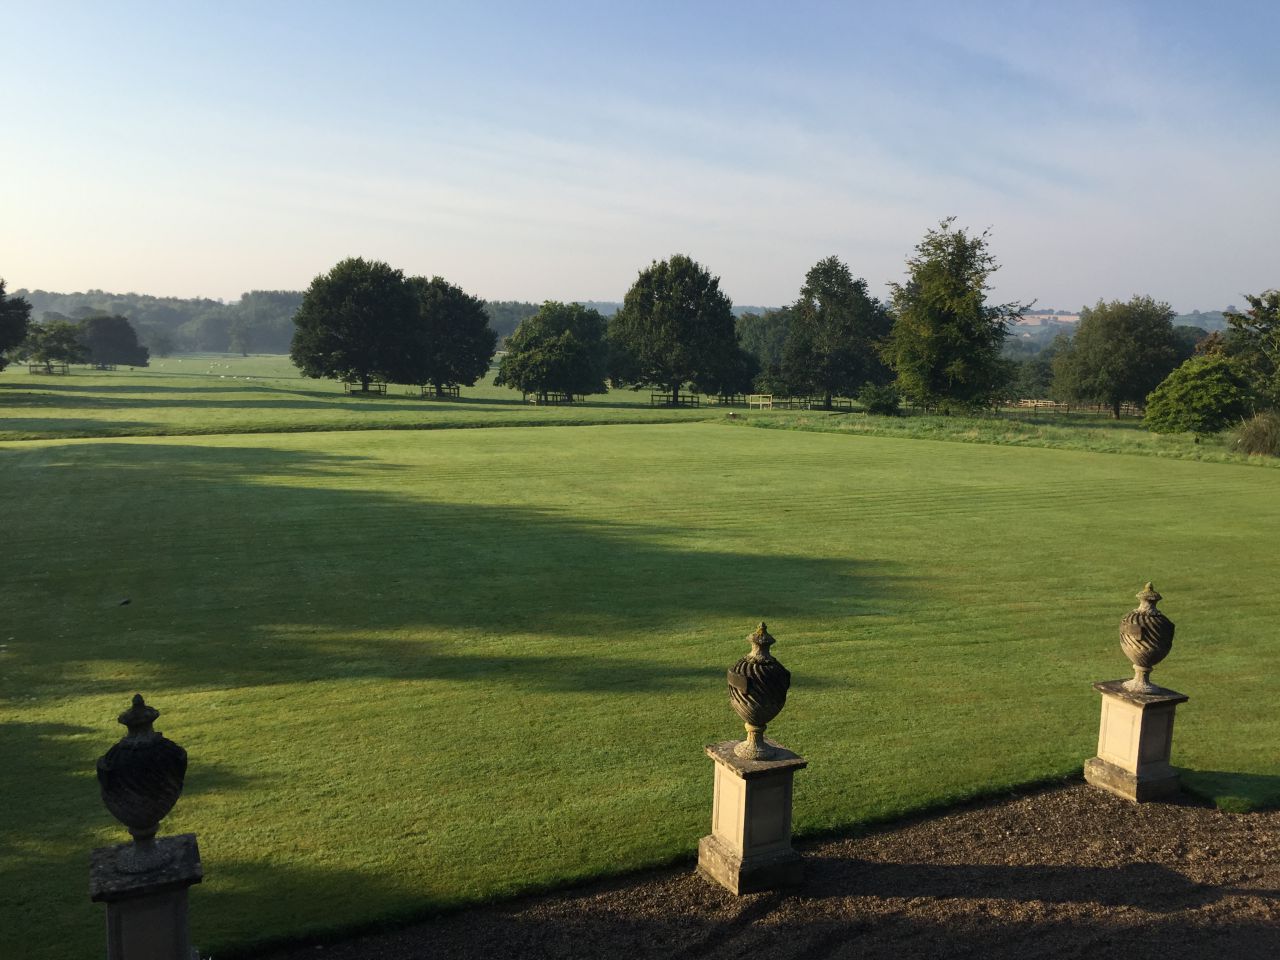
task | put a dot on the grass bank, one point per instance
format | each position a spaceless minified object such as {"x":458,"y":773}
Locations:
{"x":1066,"y":431}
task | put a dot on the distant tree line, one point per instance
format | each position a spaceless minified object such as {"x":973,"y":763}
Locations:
{"x":261,"y":321}
{"x":100,"y":339}
{"x":936,"y":342}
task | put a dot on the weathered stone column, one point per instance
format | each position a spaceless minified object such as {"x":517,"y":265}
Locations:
{"x":749,"y":848}
{"x":1136,"y":733}
{"x":144,"y":883}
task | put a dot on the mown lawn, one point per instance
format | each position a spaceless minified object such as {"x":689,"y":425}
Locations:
{"x":416,"y":669}
{"x":194,"y":395}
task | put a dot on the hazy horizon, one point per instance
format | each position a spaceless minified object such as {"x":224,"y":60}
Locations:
{"x":553,"y":152}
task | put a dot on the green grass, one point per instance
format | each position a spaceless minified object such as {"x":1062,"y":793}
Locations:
{"x":418,"y":669}
{"x":223,"y":394}
{"x":215,"y":394}
{"x":1067,"y":431}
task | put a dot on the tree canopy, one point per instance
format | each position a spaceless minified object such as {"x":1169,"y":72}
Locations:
{"x":55,"y":341}
{"x":944,"y":347}
{"x":112,"y":340}
{"x":15,"y":318}
{"x":1255,"y":338}
{"x":1119,"y":354}
{"x":765,"y":335}
{"x":835,"y":329}
{"x":452,"y":343}
{"x":561,"y":349}
{"x":675,"y":327}
{"x":356,"y":323}
{"x":1204,"y":395}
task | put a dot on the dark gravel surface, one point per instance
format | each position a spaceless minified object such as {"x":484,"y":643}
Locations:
{"x":1064,"y":872}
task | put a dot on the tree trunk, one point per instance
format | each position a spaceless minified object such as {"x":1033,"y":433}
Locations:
{"x":826,"y":400}
{"x":542,"y":397}
{"x":1115,"y":409}
{"x":675,"y":394}
{"x":439,"y":389}
{"x":364,"y":383}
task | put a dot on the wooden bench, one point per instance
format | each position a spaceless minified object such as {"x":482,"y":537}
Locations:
{"x":553,"y":398}
{"x":355,"y":386}
{"x":429,"y":392}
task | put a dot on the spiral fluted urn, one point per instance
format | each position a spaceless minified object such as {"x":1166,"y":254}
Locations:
{"x":1146,"y":636}
{"x":758,"y":687}
{"x":141,"y":777}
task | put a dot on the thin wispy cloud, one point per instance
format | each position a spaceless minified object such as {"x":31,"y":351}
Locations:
{"x":552,"y":152}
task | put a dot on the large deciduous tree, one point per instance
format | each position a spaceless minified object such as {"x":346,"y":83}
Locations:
{"x":835,"y":329}
{"x":561,"y":348}
{"x":452,"y":343}
{"x":356,"y":323}
{"x":15,"y":318}
{"x":675,"y":327}
{"x":56,"y":341}
{"x":1119,"y":354}
{"x":112,"y":340}
{"x":944,"y":347}
{"x":1255,"y":339}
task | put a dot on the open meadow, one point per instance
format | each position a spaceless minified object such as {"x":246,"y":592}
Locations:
{"x":416,"y":669}
{"x":219,"y":393}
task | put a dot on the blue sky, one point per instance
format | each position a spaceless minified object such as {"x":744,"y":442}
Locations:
{"x":535,"y":151}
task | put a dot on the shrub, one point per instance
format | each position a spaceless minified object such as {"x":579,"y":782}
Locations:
{"x":881,"y":400}
{"x":1203,"y":396}
{"x":1259,"y":434}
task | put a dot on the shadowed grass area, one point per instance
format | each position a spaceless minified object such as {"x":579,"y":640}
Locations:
{"x":415,"y":670}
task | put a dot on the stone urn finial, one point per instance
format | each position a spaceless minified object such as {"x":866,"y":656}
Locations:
{"x":758,"y":687}
{"x":1146,"y":636}
{"x":141,"y":779}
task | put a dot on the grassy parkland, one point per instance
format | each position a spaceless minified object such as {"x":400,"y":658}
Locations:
{"x":421,"y":669}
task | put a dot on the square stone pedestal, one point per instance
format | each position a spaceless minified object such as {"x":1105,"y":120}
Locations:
{"x":1134,"y":740}
{"x":749,"y":848}
{"x":147,"y":911}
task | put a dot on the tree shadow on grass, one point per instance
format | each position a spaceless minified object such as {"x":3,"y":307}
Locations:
{"x":237,"y":576}
{"x":74,"y":426}
{"x":1233,"y":792}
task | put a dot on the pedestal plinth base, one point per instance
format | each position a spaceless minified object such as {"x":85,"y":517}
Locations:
{"x":749,"y":848}
{"x":147,"y":909}
{"x":1122,"y":783}
{"x":720,"y":864}
{"x":1134,"y":742}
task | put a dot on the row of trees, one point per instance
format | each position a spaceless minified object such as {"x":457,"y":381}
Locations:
{"x":938,"y":340}
{"x":1187,"y":378}
{"x":261,"y":321}
{"x":99,"y":339}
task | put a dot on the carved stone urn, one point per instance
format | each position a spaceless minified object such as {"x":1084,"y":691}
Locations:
{"x":1146,"y":636}
{"x":758,"y":687}
{"x":141,"y":779}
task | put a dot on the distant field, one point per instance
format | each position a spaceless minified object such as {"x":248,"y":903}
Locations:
{"x":229,"y":394}
{"x":414,"y":669}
